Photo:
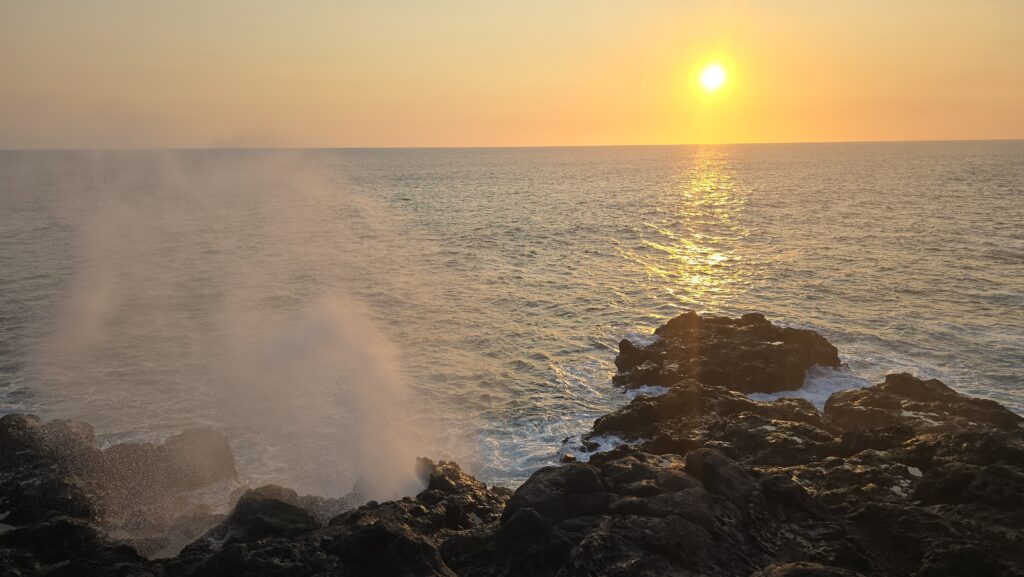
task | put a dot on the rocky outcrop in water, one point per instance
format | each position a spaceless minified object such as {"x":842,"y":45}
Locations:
{"x":905,"y":478}
{"x":748,"y":354}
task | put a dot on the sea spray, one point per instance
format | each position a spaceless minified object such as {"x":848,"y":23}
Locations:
{"x":325,"y":394}
{"x":224,"y":293}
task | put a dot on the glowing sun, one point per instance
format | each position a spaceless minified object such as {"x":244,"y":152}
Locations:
{"x":713,"y":77}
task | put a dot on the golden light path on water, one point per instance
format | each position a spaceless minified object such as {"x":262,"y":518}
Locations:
{"x":692,"y":256}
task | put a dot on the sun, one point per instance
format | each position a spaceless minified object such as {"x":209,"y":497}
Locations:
{"x":713,"y":77}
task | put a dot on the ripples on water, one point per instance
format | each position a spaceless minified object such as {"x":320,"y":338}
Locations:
{"x":503,"y":279}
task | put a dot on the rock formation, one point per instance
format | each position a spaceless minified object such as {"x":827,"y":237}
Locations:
{"x":904,"y":478}
{"x":748,"y":354}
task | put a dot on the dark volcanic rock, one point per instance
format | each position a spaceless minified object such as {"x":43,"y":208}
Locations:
{"x":452,"y":501}
{"x":268,"y":534}
{"x":37,"y":469}
{"x":59,"y":491}
{"x":385,"y":549}
{"x":53,"y":478}
{"x":268,"y":511}
{"x":804,"y":570}
{"x":748,"y":354}
{"x":633,"y":513}
{"x":916,"y":478}
{"x":692,"y":415}
{"x":922,"y":405}
{"x":905,"y":478}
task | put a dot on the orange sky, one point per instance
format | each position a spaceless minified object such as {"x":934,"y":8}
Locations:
{"x":312,"y":73}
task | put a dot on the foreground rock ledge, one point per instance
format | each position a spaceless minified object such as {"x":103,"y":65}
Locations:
{"x":905,"y":478}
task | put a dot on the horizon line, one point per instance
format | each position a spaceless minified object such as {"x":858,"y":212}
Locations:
{"x":502,"y":146}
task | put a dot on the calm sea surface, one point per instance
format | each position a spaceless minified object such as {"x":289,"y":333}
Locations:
{"x":331,"y":309}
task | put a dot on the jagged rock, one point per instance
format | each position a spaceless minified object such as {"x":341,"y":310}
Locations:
{"x":385,"y":549}
{"x":748,"y":354}
{"x":66,"y":451}
{"x":922,"y":405}
{"x":52,"y":476}
{"x":64,"y":546}
{"x":632,"y":513}
{"x":956,"y":483}
{"x":692,"y":415}
{"x":452,"y":501}
{"x":907,"y":477}
{"x":268,"y":533}
{"x":56,"y":539}
{"x":269,"y":511}
{"x":34,"y":484}
{"x":804,"y":570}
{"x":921,"y":482}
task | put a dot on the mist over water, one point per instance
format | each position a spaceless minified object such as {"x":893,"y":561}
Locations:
{"x":337,"y":313}
{"x":214,"y":292}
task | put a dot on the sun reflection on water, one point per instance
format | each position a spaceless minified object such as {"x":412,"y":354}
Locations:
{"x":689,"y":251}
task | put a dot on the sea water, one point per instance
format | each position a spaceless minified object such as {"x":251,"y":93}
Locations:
{"x":331,"y":310}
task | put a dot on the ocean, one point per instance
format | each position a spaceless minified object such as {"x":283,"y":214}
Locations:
{"x":332,"y":310}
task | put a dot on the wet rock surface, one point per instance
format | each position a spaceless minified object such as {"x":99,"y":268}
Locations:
{"x":748,"y":354}
{"x":269,"y":532}
{"x":904,"y":478}
{"x":938,"y":492}
{"x":64,"y":498}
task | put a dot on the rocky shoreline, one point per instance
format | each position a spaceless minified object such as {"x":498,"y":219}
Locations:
{"x":904,"y":478}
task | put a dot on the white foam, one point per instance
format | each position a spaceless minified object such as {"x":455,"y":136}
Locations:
{"x":641,"y":339}
{"x":646,"y":391}
{"x":605,"y":443}
{"x":819,"y":384}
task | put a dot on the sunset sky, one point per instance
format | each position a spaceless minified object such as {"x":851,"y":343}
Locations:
{"x":187,"y":73}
